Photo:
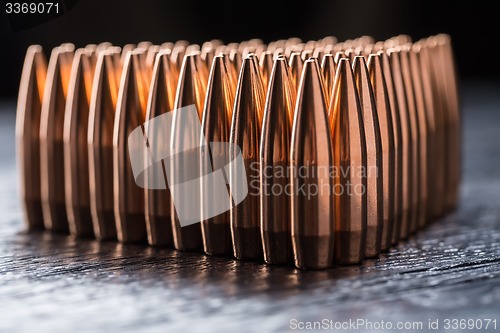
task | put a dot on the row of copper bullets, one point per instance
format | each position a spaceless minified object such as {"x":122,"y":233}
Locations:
{"x":348,"y":147}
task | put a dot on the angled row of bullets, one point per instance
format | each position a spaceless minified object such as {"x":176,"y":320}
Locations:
{"x":368,"y":133}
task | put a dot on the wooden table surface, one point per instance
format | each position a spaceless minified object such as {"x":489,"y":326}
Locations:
{"x":449,"y":271}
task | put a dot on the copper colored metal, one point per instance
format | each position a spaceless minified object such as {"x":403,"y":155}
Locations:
{"x":423,"y":136}
{"x":76,"y":164}
{"x":100,"y":143}
{"x":388,"y":151}
{"x":374,"y":159}
{"x":275,"y":214}
{"x":191,"y":89}
{"x":406,"y":142}
{"x":236,"y":59}
{"x":167,"y":46}
{"x":100,"y":47}
{"x":51,"y":139}
{"x":416,"y":182}
{"x":398,"y":146}
{"x":380,"y":141}
{"x":451,"y":109}
{"x":208,"y":52}
{"x":266,"y":66}
{"x":349,"y":150}
{"x":130,"y":113}
{"x":440,"y":122}
{"x":160,"y":101}
{"x":296,"y":65}
{"x":216,"y":126}
{"x":306,"y":54}
{"x":126,"y":48}
{"x":178,"y":53}
{"x":328,"y":69}
{"x":245,"y":132}
{"x":29,"y":105}
{"x":339,"y":55}
{"x":311,"y":154}
{"x":151,"y":54}
{"x":350,"y":54}
{"x":432,"y":134}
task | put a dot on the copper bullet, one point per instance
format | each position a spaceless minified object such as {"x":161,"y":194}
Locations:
{"x":450,"y":91}
{"x":415,"y":187}
{"x":100,"y":47}
{"x":76,"y":165}
{"x":398,"y":146}
{"x":277,"y":53}
{"x":216,"y":127}
{"x":289,"y":49}
{"x":329,"y":40}
{"x":178,"y":53}
{"x":191,"y":89}
{"x":378,"y":82}
{"x":160,"y":101}
{"x":130,"y":113}
{"x":374,"y":158}
{"x":306,"y":54}
{"x":29,"y":105}
{"x":440,"y":124}
{"x":145,"y":44}
{"x":311,"y":161}
{"x":350,"y":54}
{"x":339,"y":55}
{"x":126,"y":48}
{"x":266,"y":66}
{"x":100,"y":143}
{"x":423,"y":135}
{"x":167,"y":46}
{"x":236,"y":59}
{"x":151,"y":54}
{"x":432,"y":135}
{"x":349,"y":151}
{"x":208,"y":52}
{"x":245,"y":132}
{"x":296,"y":65}
{"x":328,"y":69}
{"x":51,"y":139}
{"x":318,"y":53}
{"x":406,"y":142}
{"x":275,"y":219}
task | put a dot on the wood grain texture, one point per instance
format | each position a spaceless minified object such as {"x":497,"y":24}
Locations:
{"x":451,"y":270}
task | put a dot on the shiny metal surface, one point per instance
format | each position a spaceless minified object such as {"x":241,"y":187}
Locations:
{"x":245,"y":132}
{"x":275,"y":202}
{"x":416,"y":182}
{"x":388,"y":148}
{"x":328,"y":69}
{"x":76,"y":164}
{"x":349,"y":151}
{"x":398,"y":147}
{"x":28,"y":114}
{"x":157,"y":202}
{"x":191,"y":89}
{"x":407,"y":143}
{"x":100,"y":143}
{"x":51,"y":139}
{"x":311,"y":154}
{"x":374,"y":160}
{"x":55,"y":283}
{"x":216,"y":125}
{"x":130,"y":113}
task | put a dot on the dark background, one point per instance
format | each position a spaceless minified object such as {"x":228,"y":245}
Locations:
{"x":473,"y":26}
